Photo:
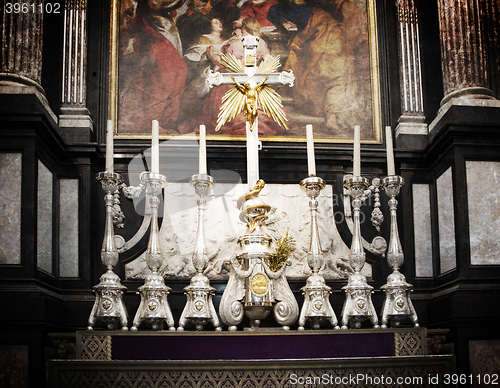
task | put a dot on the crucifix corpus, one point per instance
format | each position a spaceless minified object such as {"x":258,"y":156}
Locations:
{"x":249,"y":93}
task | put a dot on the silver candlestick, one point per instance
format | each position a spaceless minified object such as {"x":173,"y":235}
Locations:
{"x":397,"y":305}
{"x":316,"y":293}
{"x":200,"y":308}
{"x":108,"y":305}
{"x":154,"y":305}
{"x":358,"y":305}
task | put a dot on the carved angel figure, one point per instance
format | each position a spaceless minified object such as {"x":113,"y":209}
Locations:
{"x":248,"y":98}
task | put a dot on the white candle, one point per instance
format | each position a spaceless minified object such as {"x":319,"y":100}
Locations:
{"x":155,"y":148}
{"x":311,"y":163}
{"x":203,"y":151}
{"x":357,"y":152}
{"x":390,"y":151}
{"x":109,"y":147}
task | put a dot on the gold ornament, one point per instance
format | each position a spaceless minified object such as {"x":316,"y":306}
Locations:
{"x":259,"y":284}
{"x":285,"y":247}
{"x":248,"y":98}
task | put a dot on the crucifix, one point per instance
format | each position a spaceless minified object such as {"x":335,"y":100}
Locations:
{"x":249,"y":93}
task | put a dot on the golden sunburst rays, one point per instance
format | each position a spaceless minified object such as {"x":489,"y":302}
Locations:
{"x":247,"y":97}
{"x":269,"y":65}
{"x":232,"y":64}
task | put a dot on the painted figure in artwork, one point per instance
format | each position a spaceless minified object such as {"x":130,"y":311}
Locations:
{"x":325,"y":58}
{"x":152,"y":71}
{"x":199,"y":59}
{"x":199,"y":53}
{"x":258,"y":10}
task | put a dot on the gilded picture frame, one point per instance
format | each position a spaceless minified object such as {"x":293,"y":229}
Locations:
{"x":146,"y":71}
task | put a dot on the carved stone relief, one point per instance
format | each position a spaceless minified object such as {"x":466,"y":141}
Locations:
{"x":289,"y":210}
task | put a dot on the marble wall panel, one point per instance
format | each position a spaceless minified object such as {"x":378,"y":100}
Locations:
{"x":446,"y":221}
{"x":10,"y":208}
{"x":44,"y":218}
{"x":14,"y":361}
{"x":484,"y":356}
{"x":422,"y":230}
{"x":68,"y":227}
{"x":290,"y":210}
{"x":483,"y":198}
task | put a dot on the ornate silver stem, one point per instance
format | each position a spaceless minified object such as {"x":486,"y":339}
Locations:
{"x":154,"y":305}
{"x":397,"y":304}
{"x":202,"y":184}
{"x":377,"y":217}
{"x":358,"y":305}
{"x":108,"y":305}
{"x":316,"y":293}
{"x":378,"y":245}
{"x":132,"y":192}
{"x":313,"y":186}
{"x":199,"y":308}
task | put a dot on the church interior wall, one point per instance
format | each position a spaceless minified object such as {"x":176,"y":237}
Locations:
{"x":462,"y":142}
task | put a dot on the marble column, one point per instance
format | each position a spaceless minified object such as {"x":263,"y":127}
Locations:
{"x":412,"y":119}
{"x":492,"y":27}
{"x":21,"y":50}
{"x":464,"y":53}
{"x":74,"y":112}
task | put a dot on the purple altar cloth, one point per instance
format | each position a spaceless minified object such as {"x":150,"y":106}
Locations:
{"x":251,"y":346}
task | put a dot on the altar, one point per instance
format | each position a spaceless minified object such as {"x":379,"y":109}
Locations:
{"x":251,"y":345}
{"x":259,"y":261}
{"x":264,"y":358}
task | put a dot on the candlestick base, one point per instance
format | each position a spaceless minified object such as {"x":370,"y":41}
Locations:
{"x":358,"y":306}
{"x":397,"y":304}
{"x":317,"y":307}
{"x":154,"y":307}
{"x":199,"y":308}
{"x":109,"y":306}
